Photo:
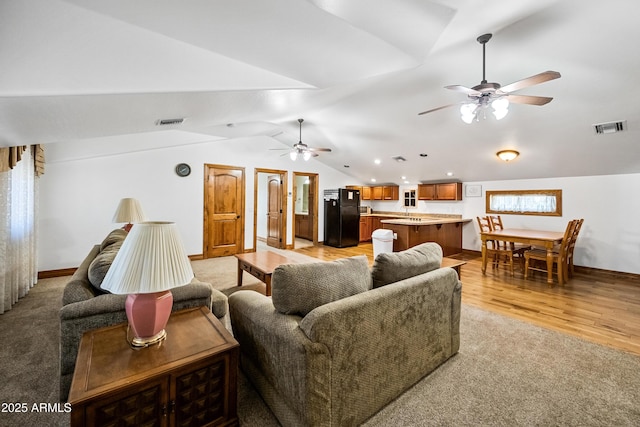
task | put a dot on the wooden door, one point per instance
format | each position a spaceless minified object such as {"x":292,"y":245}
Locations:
{"x":223,"y":211}
{"x":274,"y":211}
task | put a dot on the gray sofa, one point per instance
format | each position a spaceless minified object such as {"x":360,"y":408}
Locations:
{"x":337,"y":342}
{"x":86,"y":307}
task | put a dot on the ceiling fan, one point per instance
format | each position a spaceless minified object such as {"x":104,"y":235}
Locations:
{"x":302,"y":149}
{"x":492,"y":94}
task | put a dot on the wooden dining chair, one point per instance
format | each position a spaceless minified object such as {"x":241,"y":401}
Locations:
{"x":494,"y":250}
{"x":516,"y":249}
{"x":572,"y":246}
{"x":560,"y":256}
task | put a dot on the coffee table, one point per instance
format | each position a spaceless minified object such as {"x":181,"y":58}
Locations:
{"x":453,"y":263}
{"x":261,"y":265}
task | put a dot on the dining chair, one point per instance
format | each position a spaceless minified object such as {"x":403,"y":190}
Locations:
{"x":517,"y":249}
{"x":572,"y":246}
{"x":493,"y":247}
{"x":559,"y":257}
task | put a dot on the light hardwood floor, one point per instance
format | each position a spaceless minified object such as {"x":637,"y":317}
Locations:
{"x":597,"y":306}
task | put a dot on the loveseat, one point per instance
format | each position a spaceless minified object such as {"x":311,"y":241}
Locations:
{"x":337,"y":342}
{"x":85,"y":306}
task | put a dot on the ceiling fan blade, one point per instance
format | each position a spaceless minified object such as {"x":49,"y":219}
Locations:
{"x":528,"y":99}
{"x":436,"y":109}
{"x":328,"y":150}
{"x":529,"y":81}
{"x":464,"y":89}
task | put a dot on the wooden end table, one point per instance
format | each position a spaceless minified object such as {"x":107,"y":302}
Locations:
{"x":261,"y":265}
{"x":190,"y":378}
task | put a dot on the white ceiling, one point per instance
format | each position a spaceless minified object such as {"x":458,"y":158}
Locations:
{"x":357,"y":71}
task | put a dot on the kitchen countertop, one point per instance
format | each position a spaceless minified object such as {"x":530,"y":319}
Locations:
{"x":423,"y":221}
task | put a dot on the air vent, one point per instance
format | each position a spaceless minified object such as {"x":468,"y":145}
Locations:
{"x":611,"y":127}
{"x":164,"y":122}
{"x":399,"y":159}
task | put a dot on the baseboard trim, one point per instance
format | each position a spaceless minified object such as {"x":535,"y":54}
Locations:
{"x":49,"y":274}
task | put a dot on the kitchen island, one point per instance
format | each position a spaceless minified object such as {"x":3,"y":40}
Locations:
{"x":447,"y":232}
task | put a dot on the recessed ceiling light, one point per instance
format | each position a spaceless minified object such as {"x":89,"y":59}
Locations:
{"x":406,"y":182}
{"x":373,"y":180}
{"x":377,"y":161}
{"x":449,"y":173}
{"x":403,"y":177}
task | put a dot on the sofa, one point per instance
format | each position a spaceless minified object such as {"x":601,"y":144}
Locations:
{"x":85,"y":306}
{"x":337,"y":341}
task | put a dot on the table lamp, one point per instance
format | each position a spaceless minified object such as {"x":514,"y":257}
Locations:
{"x":129,"y":211}
{"x":151,"y":262}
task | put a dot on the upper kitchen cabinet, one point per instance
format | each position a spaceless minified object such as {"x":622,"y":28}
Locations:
{"x":440,"y":191}
{"x":379,"y":192}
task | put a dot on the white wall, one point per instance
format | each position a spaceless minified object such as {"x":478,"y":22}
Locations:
{"x":80,"y":191}
{"x":81,"y":188}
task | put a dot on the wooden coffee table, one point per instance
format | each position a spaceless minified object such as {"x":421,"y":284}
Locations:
{"x":453,"y":263}
{"x":261,"y":265}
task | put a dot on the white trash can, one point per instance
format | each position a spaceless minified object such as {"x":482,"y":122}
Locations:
{"x":382,"y":241}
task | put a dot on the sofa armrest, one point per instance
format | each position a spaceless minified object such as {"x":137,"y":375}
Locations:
{"x":294,"y":366}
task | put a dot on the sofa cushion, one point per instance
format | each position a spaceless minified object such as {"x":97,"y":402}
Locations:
{"x":396,"y":266}
{"x":299,"y":288}
{"x":101,"y":263}
{"x":115,"y":236}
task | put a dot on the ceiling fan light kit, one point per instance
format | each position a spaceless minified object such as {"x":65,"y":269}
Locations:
{"x":493,"y":94}
{"x":303,"y":149}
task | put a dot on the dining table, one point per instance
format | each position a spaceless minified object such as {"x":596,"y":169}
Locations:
{"x":546,"y":239}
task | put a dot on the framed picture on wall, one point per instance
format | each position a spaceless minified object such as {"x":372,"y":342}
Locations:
{"x":473,"y":191}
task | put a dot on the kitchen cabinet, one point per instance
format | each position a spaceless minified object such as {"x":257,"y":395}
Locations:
{"x":378,"y":192}
{"x":447,"y":234}
{"x":365,"y":194}
{"x":390,"y":192}
{"x":440,"y":191}
{"x":365,"y":228}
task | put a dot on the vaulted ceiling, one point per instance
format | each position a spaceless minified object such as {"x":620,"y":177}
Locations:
{"x":357,"y":71}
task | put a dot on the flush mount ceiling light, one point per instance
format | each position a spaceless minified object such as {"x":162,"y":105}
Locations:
{"x":507,"y":155}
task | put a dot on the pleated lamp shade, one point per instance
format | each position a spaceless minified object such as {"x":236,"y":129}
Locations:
{"x":129,"y":211}
{"x":151,"y":262}
{"x":151,"y":259}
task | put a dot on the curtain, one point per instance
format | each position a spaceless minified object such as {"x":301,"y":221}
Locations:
{"x":18,"y":207}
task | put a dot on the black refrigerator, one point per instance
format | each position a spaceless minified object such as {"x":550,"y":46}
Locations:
{"x":341,"y":217}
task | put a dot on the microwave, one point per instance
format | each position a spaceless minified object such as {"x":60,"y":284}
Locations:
{"x":365,"y":209}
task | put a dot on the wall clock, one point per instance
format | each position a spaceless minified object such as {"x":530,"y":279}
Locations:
{"x":183,"y":169}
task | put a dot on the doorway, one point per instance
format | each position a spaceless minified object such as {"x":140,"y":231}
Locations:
{"x":304,"y":208}
{"x":223,"y":210}
{"x":270,"y":207}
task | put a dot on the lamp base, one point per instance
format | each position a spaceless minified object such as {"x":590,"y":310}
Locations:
{"x":138,"y":342}
{"x":148,"y":315}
